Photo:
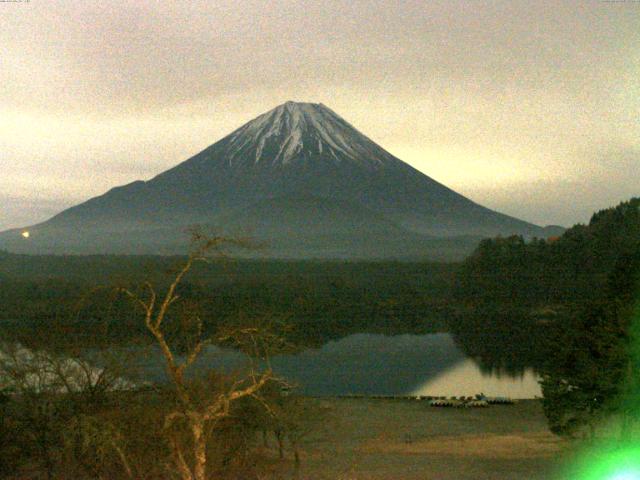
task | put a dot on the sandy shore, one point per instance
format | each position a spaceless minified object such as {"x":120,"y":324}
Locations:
{"x":408,"y":440}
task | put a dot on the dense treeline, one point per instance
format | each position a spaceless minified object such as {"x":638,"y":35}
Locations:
{"x":499,"y":302}
{"x":570,"y":304}
{"x":317,"y":299}
{"x":592,"y":372}
{"x":556,"y":271}
{"x":509,"y":291}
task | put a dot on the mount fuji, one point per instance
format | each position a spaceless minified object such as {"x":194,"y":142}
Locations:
{"x":299,"y":177}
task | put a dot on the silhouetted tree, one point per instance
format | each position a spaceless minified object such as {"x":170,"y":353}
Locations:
{"x":593,"y":371}
{"x":200,"y":405}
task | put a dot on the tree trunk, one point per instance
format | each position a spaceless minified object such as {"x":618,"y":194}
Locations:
{"x":183,"y":468}
{"x":43,"y":444}
{"x":280,"y":443}
{"x":296,"y":460}
{"x":48,"y":464}
{"x":123,"y":460}
{"x":199,"y":450}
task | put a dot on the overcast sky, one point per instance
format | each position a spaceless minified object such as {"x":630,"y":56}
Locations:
{"x":528,"y":107}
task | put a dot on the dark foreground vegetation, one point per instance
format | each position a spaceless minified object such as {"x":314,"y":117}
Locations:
{"x":573,"y":302}
{"x":319,"y":300}
{"x":566,"y":306}
{"x":125,"y":434}
{"x":72,"y":406}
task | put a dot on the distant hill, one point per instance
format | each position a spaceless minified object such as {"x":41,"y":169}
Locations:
{"x":299,"y":177}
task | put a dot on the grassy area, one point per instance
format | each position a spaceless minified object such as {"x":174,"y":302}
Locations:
{"x":404,"y":439}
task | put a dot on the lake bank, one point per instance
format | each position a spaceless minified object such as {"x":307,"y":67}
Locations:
{"x":383,"y":439}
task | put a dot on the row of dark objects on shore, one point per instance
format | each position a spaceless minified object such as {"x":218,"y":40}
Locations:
{"x":477,"y":401}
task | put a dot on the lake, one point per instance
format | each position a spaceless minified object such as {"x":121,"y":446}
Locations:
{"x":372,"y":364}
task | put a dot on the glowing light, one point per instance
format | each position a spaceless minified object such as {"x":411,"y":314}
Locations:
{"x":26,"y":234}
{"x":611,"y":462}
{"x":635,"y":475}
{"x":617,"y":457}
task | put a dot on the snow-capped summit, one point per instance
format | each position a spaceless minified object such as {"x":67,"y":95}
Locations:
{"x":298,"y":176}
{"x":297,"y":131}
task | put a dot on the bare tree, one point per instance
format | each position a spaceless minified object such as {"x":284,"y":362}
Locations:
{"x":51,"y":389}
{"x":199,"y":415}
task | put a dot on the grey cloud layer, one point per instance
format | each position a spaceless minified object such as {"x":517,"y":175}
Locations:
{"x":132,"y":88}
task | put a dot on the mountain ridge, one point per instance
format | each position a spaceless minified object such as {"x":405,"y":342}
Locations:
{"x":296,"y":150}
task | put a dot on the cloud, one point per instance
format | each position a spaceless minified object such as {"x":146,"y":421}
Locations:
{"x":611,"y":179}
{"x":485,"y":96}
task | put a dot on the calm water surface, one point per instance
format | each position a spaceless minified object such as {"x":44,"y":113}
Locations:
{"x":371,"y":364}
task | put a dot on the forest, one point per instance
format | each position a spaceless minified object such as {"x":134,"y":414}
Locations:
{"x":318,"y":300}
{"x":572,"y":302}
{"x":564,"y":305}
{"x":500,"y":302}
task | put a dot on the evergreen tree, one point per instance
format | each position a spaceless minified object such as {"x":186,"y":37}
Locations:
{"x":592,"y":372}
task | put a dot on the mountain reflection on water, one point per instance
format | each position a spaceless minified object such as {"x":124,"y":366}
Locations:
{"x":363,"y":364}
{"x":373,"y":364}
